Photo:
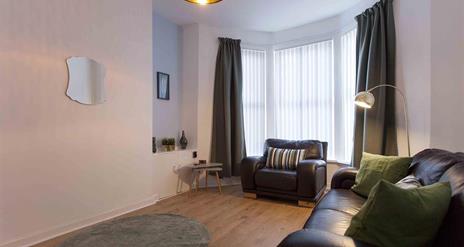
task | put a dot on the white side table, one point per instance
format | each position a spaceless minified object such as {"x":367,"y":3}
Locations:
{"x":197,"y":170}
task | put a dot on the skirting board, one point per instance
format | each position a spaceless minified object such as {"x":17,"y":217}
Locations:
{"x":63,"y":229}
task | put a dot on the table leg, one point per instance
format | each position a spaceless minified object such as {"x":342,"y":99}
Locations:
{"x":191,"y":182}
{"x":218,"y":182}
{"x":206,"y":180}
{"x":197,"y":182}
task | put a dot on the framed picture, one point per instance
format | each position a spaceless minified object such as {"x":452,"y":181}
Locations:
{"x":163,"y":86}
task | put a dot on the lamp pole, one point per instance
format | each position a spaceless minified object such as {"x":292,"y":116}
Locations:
{"x":405,"y":107}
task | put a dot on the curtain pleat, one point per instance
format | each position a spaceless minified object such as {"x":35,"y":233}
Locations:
{"x":228,"y":137}
{"x":375,"y":129}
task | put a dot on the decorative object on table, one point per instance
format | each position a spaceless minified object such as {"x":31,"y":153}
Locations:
{"x":145,"y":230}
{"x":202,"y":162}
{"x":86,"y":83}
{"x":163,"y":85}
{"x":366,"y":100}
{"x":375,"y":131}
{"x":183,"y":141}
{"x":203,"y":2}
{"x":153,"y":144}
{"x":169,"y":144}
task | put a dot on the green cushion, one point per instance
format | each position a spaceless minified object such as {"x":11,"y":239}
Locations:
{"x":398,"y":217}
{"x":376,"y":167}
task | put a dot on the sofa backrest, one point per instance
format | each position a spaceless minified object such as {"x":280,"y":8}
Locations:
{"x":317,"y":149}
{"x":430,"y":164}
{"x":434,"y":165}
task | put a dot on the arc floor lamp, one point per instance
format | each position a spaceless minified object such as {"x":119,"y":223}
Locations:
{"x":366,"y":100}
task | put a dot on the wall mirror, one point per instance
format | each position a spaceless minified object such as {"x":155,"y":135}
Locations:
{"x":86,"y":83}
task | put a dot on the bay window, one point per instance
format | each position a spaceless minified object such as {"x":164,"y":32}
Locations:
{"x":306,"y":92}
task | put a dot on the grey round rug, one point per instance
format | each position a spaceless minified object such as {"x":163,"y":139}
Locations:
{"x":145,"y":230}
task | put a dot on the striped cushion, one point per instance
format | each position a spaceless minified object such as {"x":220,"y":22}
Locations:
{"x":284,"y":159}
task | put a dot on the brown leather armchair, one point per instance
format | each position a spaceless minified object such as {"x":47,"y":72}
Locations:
{"x":305,"y":184}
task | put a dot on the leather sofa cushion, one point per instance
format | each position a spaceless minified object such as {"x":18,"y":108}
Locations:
{"x":329,"y":220}
{"x":430,"y":164}
{"x":315,"y":149}
{"x":276,"y":179}
{"x":342,"y":200}
{"x":450,"y":233}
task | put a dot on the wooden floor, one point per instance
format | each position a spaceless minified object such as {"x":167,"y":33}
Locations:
{"x":231,"y":219}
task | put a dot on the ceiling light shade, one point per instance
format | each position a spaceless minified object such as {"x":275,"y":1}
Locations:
{"x":203,"y":2}
{"x":364,"y":100}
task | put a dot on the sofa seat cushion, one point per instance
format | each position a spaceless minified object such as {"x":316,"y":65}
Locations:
{"x":329,"y":220}
{"x":345,"y":201}
{"x":276,"y":179}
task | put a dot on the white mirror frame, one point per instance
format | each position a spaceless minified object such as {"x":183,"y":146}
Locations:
{"x":86,"y":83}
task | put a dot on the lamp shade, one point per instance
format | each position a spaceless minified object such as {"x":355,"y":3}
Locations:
{"x":364,"y":100}
{"x":203,"y":2}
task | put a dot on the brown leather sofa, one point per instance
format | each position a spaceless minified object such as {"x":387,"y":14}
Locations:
{"x":305,"y":184}
{"x":332,"y":215}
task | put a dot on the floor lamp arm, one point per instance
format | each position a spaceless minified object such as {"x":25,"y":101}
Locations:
{"x":405,"y":109}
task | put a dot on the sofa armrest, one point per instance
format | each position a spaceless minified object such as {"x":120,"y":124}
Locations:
{"x":247,"y":171}
{"x":317,"y":238}
{"x":312,"y":177}
{"x":344,"y":178}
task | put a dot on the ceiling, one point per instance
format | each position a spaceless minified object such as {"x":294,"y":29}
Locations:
{"x":257,"y":15}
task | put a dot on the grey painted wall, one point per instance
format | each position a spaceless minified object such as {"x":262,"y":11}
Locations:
{"x":167,"y":58}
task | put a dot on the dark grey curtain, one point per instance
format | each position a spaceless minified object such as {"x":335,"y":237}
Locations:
{"x":228,"y":139}
{"x":375,"y":129}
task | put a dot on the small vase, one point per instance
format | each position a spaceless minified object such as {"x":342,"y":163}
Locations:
{"x":183,"y":141}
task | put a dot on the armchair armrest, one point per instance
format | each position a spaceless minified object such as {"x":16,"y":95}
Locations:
{"x":318,"y":238}
{"x":312,"y":177}
{"x":344,"y":178}
{"x":247,"y":171}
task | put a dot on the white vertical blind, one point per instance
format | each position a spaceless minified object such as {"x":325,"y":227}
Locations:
{"x":348,"y":91}
{"x":304,"y":100}
{"x":303,"y":97}
{"x":254,"y":99}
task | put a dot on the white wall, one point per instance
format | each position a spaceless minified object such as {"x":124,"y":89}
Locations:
{"x":190,"y":68}
{"x":431,"y":70}
{"x":447,"y":111}
{"x":413,"y":71}
{"x":167,"y":58}
{"x":63,"y":164}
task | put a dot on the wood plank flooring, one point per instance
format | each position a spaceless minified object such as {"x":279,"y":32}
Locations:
{"x":231,"y":219}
